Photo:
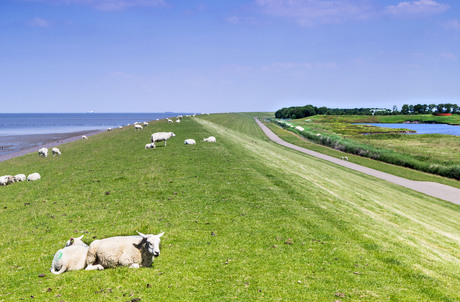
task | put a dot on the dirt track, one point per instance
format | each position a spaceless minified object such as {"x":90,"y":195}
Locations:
{"x":437,"y":190}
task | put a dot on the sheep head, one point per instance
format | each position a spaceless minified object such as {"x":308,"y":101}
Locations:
{"x":152,"y":243}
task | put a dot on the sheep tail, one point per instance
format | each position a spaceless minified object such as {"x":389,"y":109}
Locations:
{"x":63,"y":269}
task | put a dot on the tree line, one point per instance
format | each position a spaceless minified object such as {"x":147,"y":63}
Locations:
{"x":309,"y":110}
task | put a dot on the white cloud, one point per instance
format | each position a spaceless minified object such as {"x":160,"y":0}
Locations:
{"x":416,"y":8}
{"x":108,"y":5}
{"x":38,"y":22}
{"x":233,"y":20}
{"x":452,"y":24}
{"x":448,"y":56}
{"x":310,"y":12}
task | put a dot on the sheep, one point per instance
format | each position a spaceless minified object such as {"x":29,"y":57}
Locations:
{"x":43,"y":152}
{"x":145,"y":124}
{"x":178,"y":121}
{"x":180,"y":117}
{"x":33,"y":176}
{"x":71,"y":258}
{"x":19,"y":177}
{"x":109,"y":129}
{"x":56,"y":151}
{"x":346,"y":158}
{"x":131,"y":251}
{"x":169,"y":120}
{"x":190,"y":141}
{"x":138,"y":127}
{"x":150,"y":146}
{"x":84,"y":137}
{"x":342,"y":158}
{"x":300,"y":128}
{"x":161,"y":136}
{"x":6,"y":180}
{"x":120,"y":127}
{"x":210,"y":139}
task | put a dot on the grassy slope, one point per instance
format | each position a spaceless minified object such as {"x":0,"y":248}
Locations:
{"x":351,"y":234}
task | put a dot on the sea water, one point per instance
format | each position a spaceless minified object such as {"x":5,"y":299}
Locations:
{"x":20,"y":131}
{"x":43,"y":123}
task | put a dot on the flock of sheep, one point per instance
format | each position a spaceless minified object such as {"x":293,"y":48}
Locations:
{"x":9,"y":179}
{"x":131,"y":251}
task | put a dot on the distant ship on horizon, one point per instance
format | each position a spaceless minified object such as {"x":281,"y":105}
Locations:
{"x":91,"y":111}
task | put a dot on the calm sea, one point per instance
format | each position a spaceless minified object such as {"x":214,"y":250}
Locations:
{"x":41,"y":123}
{"x":19,"y":131}
{"x":422,"y":128}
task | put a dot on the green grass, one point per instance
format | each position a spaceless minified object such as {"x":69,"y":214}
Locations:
{"x":351,"y":234}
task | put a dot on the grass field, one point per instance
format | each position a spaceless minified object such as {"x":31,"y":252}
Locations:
{"x":244,"y":219}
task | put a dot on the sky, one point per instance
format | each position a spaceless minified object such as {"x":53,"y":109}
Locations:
{"x":226,"y":56}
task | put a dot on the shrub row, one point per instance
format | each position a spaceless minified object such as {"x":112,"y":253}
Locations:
{"x":389,"y":156}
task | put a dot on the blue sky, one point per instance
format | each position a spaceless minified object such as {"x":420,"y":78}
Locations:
{"x":220,"y":56}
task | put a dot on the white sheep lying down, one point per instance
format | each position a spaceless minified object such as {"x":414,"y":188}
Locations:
{"x":150,"y":146}
{"x":190,"y":141}
{"x":71,"y":258}
{"x":210,"y":139}
{"x":20,"y":177}
{"x":161,"y":136}
{"x":33,"y":176}
{"x":6,"y":180}
{"x":131,"y":251}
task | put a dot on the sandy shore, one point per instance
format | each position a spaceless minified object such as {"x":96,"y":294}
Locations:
{"x":25,"y":144}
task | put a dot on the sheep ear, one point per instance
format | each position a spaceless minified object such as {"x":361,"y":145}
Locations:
{"x":142,"y":235}
{"x":80,"y":237}
{"x":161,"y":234}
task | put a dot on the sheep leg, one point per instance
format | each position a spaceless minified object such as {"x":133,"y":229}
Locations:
{"x":91,"y":267}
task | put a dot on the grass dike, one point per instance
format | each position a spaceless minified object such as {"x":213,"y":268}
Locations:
{"x":244,"y":219}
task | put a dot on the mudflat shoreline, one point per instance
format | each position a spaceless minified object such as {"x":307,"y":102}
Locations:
{"x":31,"y":143}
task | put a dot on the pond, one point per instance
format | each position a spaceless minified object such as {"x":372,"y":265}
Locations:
{"x":421,"y":128}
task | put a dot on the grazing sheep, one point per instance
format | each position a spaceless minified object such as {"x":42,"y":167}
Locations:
{"x":132,"y":251}
{"x":210,"y":139}
{"x":71,"y":258}
{"x":145,"y":124}
{"x":342,"y":158}
{"x":169,"y":120}
{"x":300,"y":128}
{"x":56,"y":151}
{"x":180,"y":117}
{"x":109,"y":129}
{"x":190,"y":141}
{"x":161,"y":136}
{"x":150,"y":146}
{"x":43,"y":152}
{"x":6,"y":180}
{"x":138,"y":127}
{"x":33,"y":176}
{"x":19,"y":177}
{"x":346,"y":158}
{"x":84,"y":137}
{"x":120,"y":127}
{"x":178,"y":121}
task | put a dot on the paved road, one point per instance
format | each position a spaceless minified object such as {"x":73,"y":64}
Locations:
{"x":430,"y":188}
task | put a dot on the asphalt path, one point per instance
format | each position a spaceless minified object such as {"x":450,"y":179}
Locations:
{"x":434,"y":189}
